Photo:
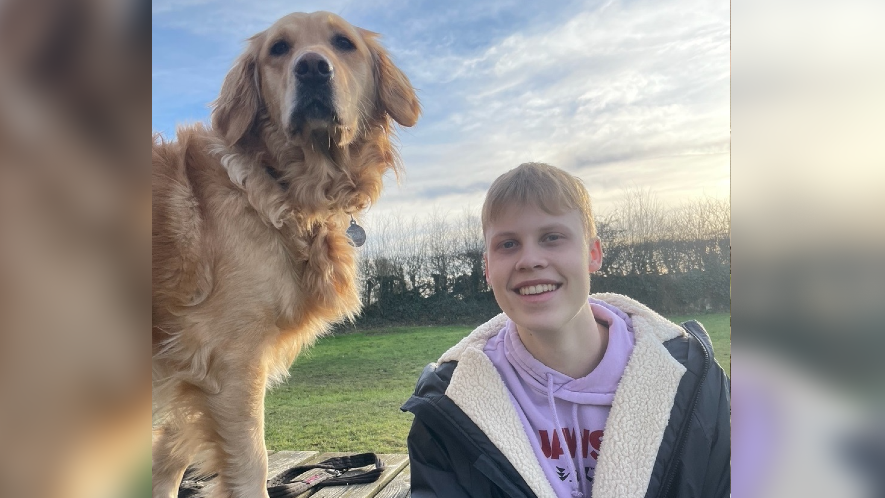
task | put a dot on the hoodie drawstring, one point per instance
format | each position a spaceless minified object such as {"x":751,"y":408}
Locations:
{"x":576,"y":492}
{"x":578,"y":449}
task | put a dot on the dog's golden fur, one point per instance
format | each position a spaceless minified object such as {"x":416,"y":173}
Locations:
{"x":250,"y":257}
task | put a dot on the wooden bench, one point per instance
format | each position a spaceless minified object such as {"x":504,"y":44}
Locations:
{"x":393,"y":483}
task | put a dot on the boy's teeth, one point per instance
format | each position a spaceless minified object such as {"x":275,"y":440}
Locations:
{"x":536,"y":289}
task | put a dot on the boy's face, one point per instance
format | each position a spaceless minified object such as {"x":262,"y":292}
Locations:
{"x":539,"y":266}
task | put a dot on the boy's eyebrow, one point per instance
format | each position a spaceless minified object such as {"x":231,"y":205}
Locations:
{"x":543,"y":228}
{"x":554,"y":226}
{"x":493,"y":234}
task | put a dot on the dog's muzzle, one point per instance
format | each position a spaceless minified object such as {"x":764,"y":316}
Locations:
{"x":314,"y":106}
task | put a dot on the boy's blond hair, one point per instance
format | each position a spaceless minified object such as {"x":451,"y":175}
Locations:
{"x":538,"y":184}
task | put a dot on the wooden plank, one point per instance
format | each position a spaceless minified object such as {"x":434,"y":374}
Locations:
{"x":393,"y":464}
{"x":283,"y":460}
{"x":399,"y":487}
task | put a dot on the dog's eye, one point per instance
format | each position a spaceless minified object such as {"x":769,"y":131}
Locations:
{"x":342,"y":42}
{"x":279,"y":48}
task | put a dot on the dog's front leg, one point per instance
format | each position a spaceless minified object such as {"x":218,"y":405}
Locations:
{"x":168,"y":462}
{"x":238,"y":415}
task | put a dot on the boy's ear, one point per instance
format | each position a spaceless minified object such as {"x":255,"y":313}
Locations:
{"x":595,"y":255}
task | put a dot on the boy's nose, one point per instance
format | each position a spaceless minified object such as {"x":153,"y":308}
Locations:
{"x":531,"y":258}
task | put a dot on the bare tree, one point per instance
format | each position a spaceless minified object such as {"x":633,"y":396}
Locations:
{"x":611,"y":237}
{"x":469,"y":278}
{"x":641,"y":219}
{"x":702,"y":219}
{"x":412,"y":246}
{"x":641,"y":215}
{"x":441,"y":245}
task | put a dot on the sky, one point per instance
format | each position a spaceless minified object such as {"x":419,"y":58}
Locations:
{"x":623,"y":94}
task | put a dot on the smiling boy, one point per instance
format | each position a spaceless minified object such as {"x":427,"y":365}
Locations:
{"x":566,"y":394}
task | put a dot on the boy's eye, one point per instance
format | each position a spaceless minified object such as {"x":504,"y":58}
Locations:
{"x":508,"y":244}
{"x":552,"y":237}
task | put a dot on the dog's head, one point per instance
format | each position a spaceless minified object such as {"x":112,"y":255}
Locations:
{"x":312,"y":73}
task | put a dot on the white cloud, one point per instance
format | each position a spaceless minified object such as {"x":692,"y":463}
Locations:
{"x":636,"y":91}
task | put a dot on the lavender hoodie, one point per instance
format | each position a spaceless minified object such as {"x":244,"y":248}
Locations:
{"x":564,"y":417}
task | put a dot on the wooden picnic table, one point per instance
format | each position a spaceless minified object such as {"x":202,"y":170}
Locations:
{"x":393,"y":483}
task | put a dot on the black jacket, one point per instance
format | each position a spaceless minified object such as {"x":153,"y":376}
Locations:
{"x":670,"y":418}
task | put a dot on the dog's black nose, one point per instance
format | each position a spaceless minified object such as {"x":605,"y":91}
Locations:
{"x":313,"y":68}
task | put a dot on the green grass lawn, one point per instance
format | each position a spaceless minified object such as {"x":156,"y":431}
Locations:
{"x":344,"y":393}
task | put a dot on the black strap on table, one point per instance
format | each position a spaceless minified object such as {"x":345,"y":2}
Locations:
{"x":332,"y":472}
{"x":336,"y":471}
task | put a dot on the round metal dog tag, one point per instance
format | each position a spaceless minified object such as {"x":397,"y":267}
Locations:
{"x":356,"y":233}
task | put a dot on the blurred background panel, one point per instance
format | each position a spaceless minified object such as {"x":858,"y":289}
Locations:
{"x":74,"y":252}
{"x":808,"y":254}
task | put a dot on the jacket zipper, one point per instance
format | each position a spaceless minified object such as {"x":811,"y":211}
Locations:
{"x":683,"y":435}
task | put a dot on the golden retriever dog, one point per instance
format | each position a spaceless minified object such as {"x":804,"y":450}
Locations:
{"x":251,"y":260}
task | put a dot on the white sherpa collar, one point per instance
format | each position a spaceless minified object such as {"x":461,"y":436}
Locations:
{"x":635,"y":427}
{"x":476,"y":340}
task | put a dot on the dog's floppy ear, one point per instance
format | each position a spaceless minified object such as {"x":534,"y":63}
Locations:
{"x":239,"y":101}
{"x":394,"y":89}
